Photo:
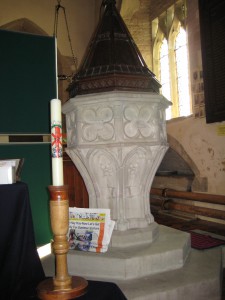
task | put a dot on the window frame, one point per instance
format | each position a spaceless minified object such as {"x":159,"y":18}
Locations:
{"x":167,"y":25}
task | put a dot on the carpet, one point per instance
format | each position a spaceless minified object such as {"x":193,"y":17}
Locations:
{"x":203,"y":241}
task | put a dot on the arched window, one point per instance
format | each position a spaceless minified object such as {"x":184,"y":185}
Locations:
{"x":165,"y":74}
{"x":170,"y":59}
{"x":181,"y":58}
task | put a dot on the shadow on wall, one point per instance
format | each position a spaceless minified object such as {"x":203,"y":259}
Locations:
{"x":178,"y":171}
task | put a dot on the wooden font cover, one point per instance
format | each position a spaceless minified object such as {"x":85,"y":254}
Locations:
{"x":112,"y":61}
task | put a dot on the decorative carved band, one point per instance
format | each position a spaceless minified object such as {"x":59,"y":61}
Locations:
{"x":113,"y":82}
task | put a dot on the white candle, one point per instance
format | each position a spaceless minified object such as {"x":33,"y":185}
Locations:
{"x":56,"y":142}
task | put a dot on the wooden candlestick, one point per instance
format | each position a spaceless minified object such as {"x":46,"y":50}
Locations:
{"x":62,"y":286}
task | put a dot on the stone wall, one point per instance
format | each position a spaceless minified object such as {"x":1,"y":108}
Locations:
{"x":200,"y":141}
{"x":138,"y":16}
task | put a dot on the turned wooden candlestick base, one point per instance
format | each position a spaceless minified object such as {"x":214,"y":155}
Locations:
{"x":62,"y":286}
{"x":46,"y":289}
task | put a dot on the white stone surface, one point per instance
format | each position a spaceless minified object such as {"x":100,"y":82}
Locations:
{"x":168,"y":252}
{"x":199,"y":279}
{"x":117,"y":141}
{"x":135,"y":237}
{"x":164,"y":270}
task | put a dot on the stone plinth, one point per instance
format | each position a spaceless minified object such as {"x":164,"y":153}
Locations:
{"x":168,"y":252}
{"x":165,"y":269}
{"x":117,"y":141}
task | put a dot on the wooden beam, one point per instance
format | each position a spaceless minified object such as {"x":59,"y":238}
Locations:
{"x":201,"y":197}
{"x":170,"y":205}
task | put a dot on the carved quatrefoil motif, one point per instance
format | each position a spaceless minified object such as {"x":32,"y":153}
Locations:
{"x":71,"y":129}
{"x":140,"y":121}
{"x":97,"y":124}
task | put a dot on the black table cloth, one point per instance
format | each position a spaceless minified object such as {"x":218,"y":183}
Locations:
{"x":20,"y":266}
{"x":98,"y":290}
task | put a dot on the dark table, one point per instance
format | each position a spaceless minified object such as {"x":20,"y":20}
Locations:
{"x":20,"y":267}
{"x":98,"y":290}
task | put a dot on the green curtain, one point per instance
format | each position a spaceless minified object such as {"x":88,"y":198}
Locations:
{"x":28,"y":83}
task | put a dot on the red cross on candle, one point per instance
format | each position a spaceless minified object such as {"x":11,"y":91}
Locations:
{"x":56,"y":142}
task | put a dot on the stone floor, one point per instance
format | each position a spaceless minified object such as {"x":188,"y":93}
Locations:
{"x":187,"y":224}
{"x":198,"y":279}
